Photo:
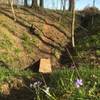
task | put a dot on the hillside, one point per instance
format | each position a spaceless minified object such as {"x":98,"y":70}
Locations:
{"x":41,"y":33}
{"x":19,"y":46}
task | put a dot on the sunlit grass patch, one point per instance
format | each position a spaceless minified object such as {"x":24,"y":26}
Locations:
{"x":28,"y":42}
{"x":6,"y":74}
{"x":62,"y":83}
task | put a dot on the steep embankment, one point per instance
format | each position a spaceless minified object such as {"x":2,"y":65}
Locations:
{"x":19,"y":47}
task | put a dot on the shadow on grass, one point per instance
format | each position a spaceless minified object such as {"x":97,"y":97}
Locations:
{"x":18,"y":94}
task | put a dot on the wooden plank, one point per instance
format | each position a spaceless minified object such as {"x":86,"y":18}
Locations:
{"x":45,"y":66}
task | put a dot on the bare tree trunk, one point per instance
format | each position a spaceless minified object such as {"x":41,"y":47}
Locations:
{"x":61,"y":5}
{"x":57,"y":5}
{"x":11,"y":3}
{"x":92,"y":22}
{"x":64,"y":5}
{"x":41,"y":3}
{"x":53,"y":4}
{"x":34,"y":3}
{"x":25,"y":2}
{"x":71,"y":5}
{"x":73,"y":24}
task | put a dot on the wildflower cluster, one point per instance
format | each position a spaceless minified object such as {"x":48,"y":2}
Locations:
{"x":36,"y":84}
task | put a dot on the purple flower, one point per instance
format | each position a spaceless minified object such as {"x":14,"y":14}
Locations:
{"x":78,"y":83}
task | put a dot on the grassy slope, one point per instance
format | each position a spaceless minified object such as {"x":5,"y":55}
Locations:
{"x":12,"y":50}
{"x":18,"y":47}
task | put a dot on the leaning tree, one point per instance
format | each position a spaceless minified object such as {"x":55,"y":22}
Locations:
{"x":73,"y":23}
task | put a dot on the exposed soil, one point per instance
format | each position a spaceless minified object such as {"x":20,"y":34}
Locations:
{"x":49,"y":34}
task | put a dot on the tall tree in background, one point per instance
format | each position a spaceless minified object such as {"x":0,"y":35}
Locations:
{"x":25,"y":3}
{"x":92,"y":22}
{"x":64,"y":5}
{"x":71,"y":5}
{"x":93,"y":3}
{"x":42,"y":3}
{"x":34,"y":3}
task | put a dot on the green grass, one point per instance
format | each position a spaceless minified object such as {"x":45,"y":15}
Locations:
{"x":89,"y":42}
{"x":13,"y":79}
{"x":7,"y":74}
{"x":28,"y":42}
{"x":88,"y":49}
{"x":5,"y":42}
{"x":62,"y":83}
